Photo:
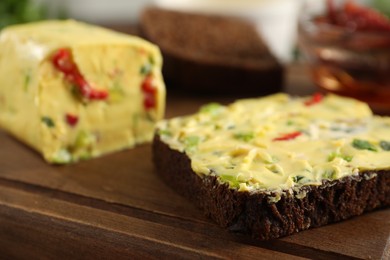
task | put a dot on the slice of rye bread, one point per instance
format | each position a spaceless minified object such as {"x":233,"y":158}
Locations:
{"x":212,"y":54}
{"x":253,"y":214}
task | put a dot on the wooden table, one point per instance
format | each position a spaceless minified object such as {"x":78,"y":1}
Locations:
{"x":117,"y":207}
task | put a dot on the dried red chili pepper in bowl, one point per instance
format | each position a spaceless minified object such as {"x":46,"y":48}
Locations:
{"x":348,"y":48}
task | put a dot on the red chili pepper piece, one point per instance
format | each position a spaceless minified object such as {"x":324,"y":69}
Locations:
{"x":147,"y":85}
{"x":288,"y":136}
{"x":72,"y":120}
{"x":62,"y":60}
{"x":149,"y":101}
{"x":315,"y":99}
{"x":356,"y":17}
{"x":149,"y":93}
{"x":331,"y":11}
{"x":365,"y":18}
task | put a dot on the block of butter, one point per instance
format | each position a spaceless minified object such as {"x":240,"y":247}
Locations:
{"x":74,"y":91}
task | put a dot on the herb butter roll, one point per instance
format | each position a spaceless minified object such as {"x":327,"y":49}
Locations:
{"x":74,"y":91}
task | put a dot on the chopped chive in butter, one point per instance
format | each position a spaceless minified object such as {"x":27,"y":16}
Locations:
{"x":76,"y":92}
{"x":191,"y":142}
{"x":385,"y":145}
{"x":347,"y":158}
{"x":86,"y":155}
{"x":116,"y":93}
{"x":146,"y":69}
{"x":329,"y":174}
{"x":164,"y":132}
{"x":149,"y":117}
{"x":84,"y":139}
{"x":212,"y":108}
{"x":363,"y":145}
{"x":275,"y":168}
{"x":62,"y":156}
{"x":151,"y":59}
{"x":334,"y":155}
{"x":290,"y":122}
{"x":246,"y":137}
{"x":48,"y":121}
{"x":231,"y":180}
{"x":297,"y":178}
{"x":27,"y":80}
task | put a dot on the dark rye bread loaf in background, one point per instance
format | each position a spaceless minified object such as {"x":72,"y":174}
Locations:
{"x":212,"y":54}
{"x":253,"y":214}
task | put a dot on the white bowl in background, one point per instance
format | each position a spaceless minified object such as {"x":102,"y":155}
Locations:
{"x":99,"y":11}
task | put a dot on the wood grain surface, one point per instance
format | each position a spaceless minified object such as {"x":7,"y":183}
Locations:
{"x":116,"y":207}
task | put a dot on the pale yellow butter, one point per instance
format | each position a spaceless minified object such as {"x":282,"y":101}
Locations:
{"x":35,"y":97}
{"x":243,"y":143}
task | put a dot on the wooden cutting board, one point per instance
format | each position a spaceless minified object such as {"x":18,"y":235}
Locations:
{"x":117,"y":207}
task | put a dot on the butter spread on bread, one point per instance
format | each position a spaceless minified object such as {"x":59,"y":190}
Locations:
{"x":277,"y":143}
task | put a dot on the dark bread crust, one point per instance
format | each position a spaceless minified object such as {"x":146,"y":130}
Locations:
{"x":212,"y":54}
{"x":252,"y":213}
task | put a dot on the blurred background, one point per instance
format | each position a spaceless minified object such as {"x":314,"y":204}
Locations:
{"x":342,"y":59}
{"x":276,"y":20}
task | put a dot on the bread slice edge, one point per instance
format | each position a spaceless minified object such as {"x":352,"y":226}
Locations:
{"x":255,"y":214}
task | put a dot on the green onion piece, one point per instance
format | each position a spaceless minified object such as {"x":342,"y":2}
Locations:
{"x":84,"y":139}
{"x":347,"y":158}
{"x":62,"y":156}
{"x":151,"y":60}
{"x":232,"y":180}
{"x":48,"y":121}
{"x":191,"y":141}
{"x":297,"y":178}
{"x":333,"y":156}
{"x":164,"y":132}
{"x":146,"y":69}
{"x":385,"y":145}
{"x":27,"y":80}
{"x":363,"y":145}
{"x":329,"y":174}
{"x":212,"y":108}
{"x":246,"y":137}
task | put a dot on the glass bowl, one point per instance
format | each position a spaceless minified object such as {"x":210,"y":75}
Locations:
{"x":348,"y":62}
